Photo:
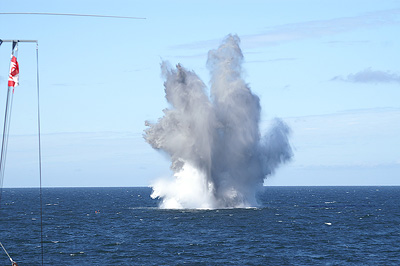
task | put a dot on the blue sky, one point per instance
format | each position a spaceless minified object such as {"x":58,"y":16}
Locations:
{"x":330,"y":69}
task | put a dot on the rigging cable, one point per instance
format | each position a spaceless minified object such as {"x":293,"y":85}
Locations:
{"x":67,"y":14}
{"x":12,"y":261}
{"x":40,"y":150}
{"x":6,"y":128}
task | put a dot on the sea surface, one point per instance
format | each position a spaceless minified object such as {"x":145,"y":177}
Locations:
{"x":124,"y":226}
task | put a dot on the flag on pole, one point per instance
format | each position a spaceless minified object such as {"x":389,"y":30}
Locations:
{"x":14,"y":73}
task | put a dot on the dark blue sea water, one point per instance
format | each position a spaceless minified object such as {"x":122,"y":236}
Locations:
{"x":293,"y":226}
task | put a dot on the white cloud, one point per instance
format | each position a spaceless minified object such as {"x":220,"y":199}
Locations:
{"x":370,"y":76}
{"x":318,"y":28}
{"x":309,"y":29}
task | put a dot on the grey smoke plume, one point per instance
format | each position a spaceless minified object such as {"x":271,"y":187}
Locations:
{"x":217,"y":153}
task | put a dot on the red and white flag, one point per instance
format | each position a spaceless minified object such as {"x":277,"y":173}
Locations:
{"x":14,"y":73}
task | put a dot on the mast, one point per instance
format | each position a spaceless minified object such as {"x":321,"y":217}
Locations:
{"x":7,"y":117}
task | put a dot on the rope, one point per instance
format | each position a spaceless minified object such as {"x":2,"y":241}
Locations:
{"x":67,"y":14}
{"x":40,"y":150}
{"x":5,"y":139}
{"x":6,"y":252}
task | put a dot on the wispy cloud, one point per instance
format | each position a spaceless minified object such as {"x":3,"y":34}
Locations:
{"x":199,"y":55}
{"x":362,"y":137}
{"x":308,"y":29}
{"x":370,"y":76}
{"x":348,"y":43}
{"x":318,"y":28}
{"x":62,"y":84}
{"x":272,"y":60}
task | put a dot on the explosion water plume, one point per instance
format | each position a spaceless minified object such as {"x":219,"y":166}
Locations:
{"x":217,"y":154}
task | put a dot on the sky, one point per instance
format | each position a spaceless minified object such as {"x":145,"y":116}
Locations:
{"x":329,"y":69}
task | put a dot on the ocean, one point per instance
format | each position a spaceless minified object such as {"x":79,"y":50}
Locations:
{"x":124,"y":226}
